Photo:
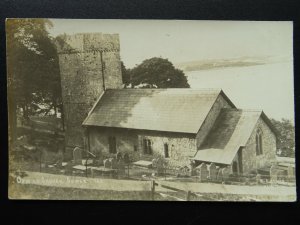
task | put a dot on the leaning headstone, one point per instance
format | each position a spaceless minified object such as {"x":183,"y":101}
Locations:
{"x":212,"y":170}
{"x":202,"y":172}
{"x":107,"y":164}
{"x":113,"y":163}
{"x":77,"y":155}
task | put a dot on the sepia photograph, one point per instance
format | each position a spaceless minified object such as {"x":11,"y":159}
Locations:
{"x":150,"y":110}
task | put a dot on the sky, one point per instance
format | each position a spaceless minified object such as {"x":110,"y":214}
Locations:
{"x":183,"y":41}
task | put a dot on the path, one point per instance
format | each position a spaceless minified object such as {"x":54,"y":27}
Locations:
{"x":46,"y":179}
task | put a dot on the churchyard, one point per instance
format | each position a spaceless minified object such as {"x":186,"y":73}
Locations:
{"x":38,"y":154}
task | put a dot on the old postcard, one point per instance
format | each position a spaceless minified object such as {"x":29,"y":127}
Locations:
{"x":163,"y":110}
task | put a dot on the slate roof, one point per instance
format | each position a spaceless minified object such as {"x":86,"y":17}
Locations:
{"x":231,"y":131}
{"x":172,"y":110}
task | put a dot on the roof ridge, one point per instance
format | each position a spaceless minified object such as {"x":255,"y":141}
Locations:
{"x":167,"y":89}
{"x":243,"y":110}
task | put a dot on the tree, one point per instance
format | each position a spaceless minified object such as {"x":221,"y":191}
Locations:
{"x":286,"y":137}
{"x":158,"y":73}
{"x":32,"y":68}
{"x":125,"y":74}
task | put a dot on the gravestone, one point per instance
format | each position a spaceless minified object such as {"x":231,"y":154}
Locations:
{"x":60,"y":158}
{"x":77,"y":155}
{"x":212,"y":170}
{"x":192,"y":168}
{"x":258,"y":178}
{"x":121,"y":167}
{"x":113,"y":163}
{"x":273,"y":174}
{"x":154,"y":163}
{"x":220,"y":175}
{"x":202,"y":172}
{"x":225,"y":173}
{"x":107,"y":164}
{"x":126,"y":158}
{"x":290,"y":173}
{"x":160,"y":166}
{"x":119,"y":156}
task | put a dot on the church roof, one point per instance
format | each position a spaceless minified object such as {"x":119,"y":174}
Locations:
{"x":231,"y":131}
{"x":171,"y":110}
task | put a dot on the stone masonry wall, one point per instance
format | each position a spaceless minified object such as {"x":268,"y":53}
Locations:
{"x":82,"y":79}
{"x":251,"y":161}
{"x":125,"y":141}
{"x":181,"y":147}
{"x":210,"y":119}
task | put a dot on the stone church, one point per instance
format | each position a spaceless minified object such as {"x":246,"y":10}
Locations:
{"x":180,"y":125}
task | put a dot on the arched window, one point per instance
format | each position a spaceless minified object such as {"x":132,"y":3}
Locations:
{"x":259,"y":146}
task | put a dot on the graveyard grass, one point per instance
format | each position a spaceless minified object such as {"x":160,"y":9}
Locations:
{"x":30,"y":191}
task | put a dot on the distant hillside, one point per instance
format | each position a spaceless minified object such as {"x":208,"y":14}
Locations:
{"x":223,"y":63}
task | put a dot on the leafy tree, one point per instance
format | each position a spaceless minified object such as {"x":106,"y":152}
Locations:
{"x":125,"y":74}
{"x":159,"y":73}
{"x":32,"y":68}
{"x":286,"y":137}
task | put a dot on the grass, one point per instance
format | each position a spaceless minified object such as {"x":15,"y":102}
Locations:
{"x":32,"y":191}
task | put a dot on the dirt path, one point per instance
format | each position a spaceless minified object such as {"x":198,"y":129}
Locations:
{"x":45,"y":179}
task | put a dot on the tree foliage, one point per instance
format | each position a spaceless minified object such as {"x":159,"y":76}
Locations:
{"x":32,"y":65}
{"x":156,"y":73}
{"x":286,"y":137}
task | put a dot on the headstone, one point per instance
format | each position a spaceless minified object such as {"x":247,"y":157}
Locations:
{"x":192,"y":168}
{"x":290,"y":173}
{"x":258,"y":178}
{"x":212,"y":170}
{"x":154,"y":163}
{"x":225,"y":173}
{"x":119,"y":156}
{"x":60,"y":158}
{"x":202,"y":172}
{"x":113,"y":163}
{"x":220,"y":175}
{"x":77,"y":155}
{"x":273,"y":174}
{"x":160,"y":166}
{"x":126,"y":158}
{"x":107,"y":164}
{"x":121,"y":167}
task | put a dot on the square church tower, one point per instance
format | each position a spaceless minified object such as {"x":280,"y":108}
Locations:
{"x":89,"y":63}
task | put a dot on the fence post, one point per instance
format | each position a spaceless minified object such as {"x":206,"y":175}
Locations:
{"x":152,"y":189}
{"x":188,"y":195}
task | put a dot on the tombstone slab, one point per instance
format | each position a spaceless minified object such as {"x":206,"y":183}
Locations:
{"x":113,"y":163}
{"x":202,"y":172}
{"x":77,"y":155}
{"x":273,"y":174}
{"x":213,"y":172}
{"x":107,"y":164}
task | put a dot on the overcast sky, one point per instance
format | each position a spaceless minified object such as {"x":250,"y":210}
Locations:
{"x":183,"y":41}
